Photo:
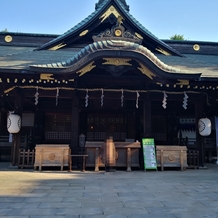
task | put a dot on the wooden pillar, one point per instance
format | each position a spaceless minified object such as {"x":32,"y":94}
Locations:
{"x":75,"y":124}
{"x":199,"y":139}
{"x":18,"y":109}
{"x":147,"y":115}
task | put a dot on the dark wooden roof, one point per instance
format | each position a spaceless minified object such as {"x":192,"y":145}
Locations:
{"x":95,"y":19}
{"x":21,"y":58}
{"x":30,"y":54}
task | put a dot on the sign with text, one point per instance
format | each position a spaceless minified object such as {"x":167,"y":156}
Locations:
{"x":149,"y":153}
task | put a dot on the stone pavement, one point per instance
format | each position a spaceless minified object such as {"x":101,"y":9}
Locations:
{"x":32,"y":194}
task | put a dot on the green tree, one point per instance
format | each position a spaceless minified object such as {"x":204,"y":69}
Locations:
{"x":5,"y":30}
{"x":177,"y":37}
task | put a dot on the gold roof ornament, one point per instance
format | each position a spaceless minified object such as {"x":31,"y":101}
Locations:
{"x":146,"y":71}
{"x":83,"y":33}
{"x":44,"y":76}
{"x":57,"y":47}
{"x":117,"y":62}
{"x":110,"y":10}
{"x":8,"y":38}
{"x":196,"y":47}
{"x":163,"y":51}
{"x":118,"y":32}
{"x":182,"y":82}
{"x":138,"y":35}
{"x":86,"y":69}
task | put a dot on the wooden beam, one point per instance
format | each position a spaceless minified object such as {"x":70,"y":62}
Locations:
{"x":18,"y":109}
{"x":75,"y":124}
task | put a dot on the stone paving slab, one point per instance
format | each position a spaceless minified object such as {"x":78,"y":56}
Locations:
{"x":61,"y":194}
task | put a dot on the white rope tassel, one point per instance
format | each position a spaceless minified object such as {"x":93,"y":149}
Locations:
{"x":122,"y":97}
{"x":57,"y":95}
{"x":185,"y":101}
{"x":137,"y":99}
{"x":36,"y":96}
{"x":87,"y":98}
{"x":164,"y":105}
{"x":102,"y":97}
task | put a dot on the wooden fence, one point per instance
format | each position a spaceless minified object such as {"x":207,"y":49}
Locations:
{"x":193,"y":158}
{"x":26,"y":158}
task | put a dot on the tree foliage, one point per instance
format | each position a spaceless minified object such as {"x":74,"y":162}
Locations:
{"x":177,"y":37}
{"x":5,"y":30}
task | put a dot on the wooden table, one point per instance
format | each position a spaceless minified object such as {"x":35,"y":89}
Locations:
{"x":83,"y":156}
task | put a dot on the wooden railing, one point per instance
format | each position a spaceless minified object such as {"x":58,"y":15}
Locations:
{"x":193,"y":158}
{"x":26,"y":158}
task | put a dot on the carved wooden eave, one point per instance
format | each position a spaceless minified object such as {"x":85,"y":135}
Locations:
{"x":85,"y":60}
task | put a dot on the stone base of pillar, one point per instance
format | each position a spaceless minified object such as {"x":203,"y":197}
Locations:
{"x":110,"y":168}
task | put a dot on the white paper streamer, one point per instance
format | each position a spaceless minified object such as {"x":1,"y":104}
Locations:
{"x":57,"y":95}
{"x":122,"y":97}
{"x":137,"y":99}
{"x":185,"y":101}
{"x":36,"y":96}
{"x":102,"y":98}
{"x":164,"y":105}
{"x":87,"y":98}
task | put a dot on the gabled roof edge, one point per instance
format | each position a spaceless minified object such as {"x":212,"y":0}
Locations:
{"x":78,"y":26}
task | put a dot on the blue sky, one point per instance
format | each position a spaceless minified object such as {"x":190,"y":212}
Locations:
{"x":194,"y":19}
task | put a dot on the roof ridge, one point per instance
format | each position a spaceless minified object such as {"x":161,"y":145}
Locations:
{"x":122,"y":2}
{"x":144,"y":29}
{"x":75,"y":27}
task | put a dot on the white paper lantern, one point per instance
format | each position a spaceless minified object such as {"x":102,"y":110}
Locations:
{"x":204,"y":127}
{"x":13,"y":123}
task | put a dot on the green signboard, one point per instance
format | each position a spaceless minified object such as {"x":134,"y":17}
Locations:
{"x":149,"y":153}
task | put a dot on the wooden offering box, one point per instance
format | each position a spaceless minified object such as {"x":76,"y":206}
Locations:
{"x":51,"y":155}
{"x":171,"y":156}
{"x":127,"y":154}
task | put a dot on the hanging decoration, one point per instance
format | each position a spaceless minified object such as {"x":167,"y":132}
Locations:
{"x":122,"y":97}
{"x":185,"y":101}
{"x":204,"y":127}
{"x":57,"y":96}
{"x":164,"y":102}
{"x":87,"y":98}
{"x":13,"y":123}
{"x":164,"y":105}
{"x":36,"y":96}
{"x":137,"y":99}
{"x":102,"y":97}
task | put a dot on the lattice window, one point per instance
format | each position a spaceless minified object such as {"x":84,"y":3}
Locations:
{"x":101,"y":126}
{"x":57,"y":127}
{"x":159,"y":128}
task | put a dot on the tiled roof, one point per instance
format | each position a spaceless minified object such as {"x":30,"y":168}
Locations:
{"x":22,"y":58}
{"x":207,"y":65}
{"x":9,"y":50}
